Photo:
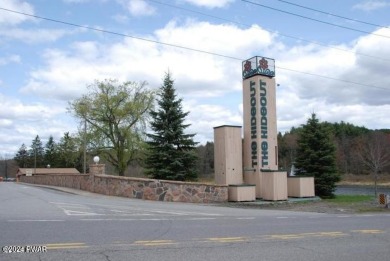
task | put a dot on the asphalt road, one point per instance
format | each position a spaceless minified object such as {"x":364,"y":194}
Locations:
{"x":88,"y":226}
{"x":361,"y":190}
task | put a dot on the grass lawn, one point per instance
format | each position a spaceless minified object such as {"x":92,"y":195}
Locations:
{"x":357,"y":203}
{"x":347,"y":199}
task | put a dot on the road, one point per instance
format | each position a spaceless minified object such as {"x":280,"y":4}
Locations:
{"x":88,"y":226}
{"x":361,"y":190}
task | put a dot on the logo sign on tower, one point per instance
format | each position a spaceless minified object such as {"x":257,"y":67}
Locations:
{"x":258,"y":66}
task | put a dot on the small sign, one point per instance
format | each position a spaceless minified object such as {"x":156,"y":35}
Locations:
{"x":258,"y":66}
{"x":29,"y":172}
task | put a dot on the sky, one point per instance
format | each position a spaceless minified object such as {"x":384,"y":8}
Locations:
{"x":331,"y":59}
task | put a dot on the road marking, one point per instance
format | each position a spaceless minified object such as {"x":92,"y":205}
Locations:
{"x":292,"y":236}
{"x":253,"y":238}
{"x":80,"y":213}
{"x":67,"y":204}
{"x":331,"y":234}
{"x":227,"y":239}
{"x":37,"y":220}
{"x":246,"y":218}
{"x":369,"y":231}
{"x":306,"y":235}
{"x":65,"y":246}
{"x":146,"y":219}
{"x":154,"y":242}
{"x":124,"y":219}
{"x":124,"y":210}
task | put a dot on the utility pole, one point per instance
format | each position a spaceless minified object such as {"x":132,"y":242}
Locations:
{"x":6,"y":167}
{"x":85,"y":145}
{"x":35,"y":160}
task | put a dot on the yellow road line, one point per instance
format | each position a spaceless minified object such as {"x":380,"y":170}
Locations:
{"x":227,"y":239}
{"x":306,"y":235}
{"x":331,"y":234}
{"x":65,"y":245}
{"x":154,"y":242}
{"x":292,"y":236}
{"x":369,"y":231}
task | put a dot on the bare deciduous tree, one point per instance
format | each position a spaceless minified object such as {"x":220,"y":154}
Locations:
{"x":374,"y":152}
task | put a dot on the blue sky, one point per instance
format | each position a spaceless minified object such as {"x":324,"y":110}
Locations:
{"x":44,"y":64}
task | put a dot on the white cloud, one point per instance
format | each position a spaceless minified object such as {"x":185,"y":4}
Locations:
{"x":369,"y":72}
{"x":120,"y":18}
{"x":138,"y":7}
{"x":9,"y":59}
{"x":211,"y":85}
{"x":372,"y":5}
{"x":9,"y":18}
{"x":66,"y":72}
{"x":203,"y":124}
{"x":210,"y":3}
{"x":83,"y":1}
{"x":76,"y":1}
{"x":35,"y":36}
{"x":21,"y":121}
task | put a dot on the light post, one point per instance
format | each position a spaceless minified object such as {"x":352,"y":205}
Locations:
{"x":96,"y":159}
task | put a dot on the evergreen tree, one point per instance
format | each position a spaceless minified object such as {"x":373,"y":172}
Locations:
{"x":22,"y":157}
{"x":171,"y":153}
{"x":316,"y":157}
{"x":36,"y":153}
{"x":51,"y":152}
{"x":68,"y":152}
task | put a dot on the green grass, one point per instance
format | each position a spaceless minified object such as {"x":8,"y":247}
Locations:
{"x":347,"y":199}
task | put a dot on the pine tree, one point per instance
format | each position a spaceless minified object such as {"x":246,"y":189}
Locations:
{"x":36,"y":153}
{"x":22,"y":157}
{"x":68,"y":154}
{"x":171,"y":153}
{"x":51,"y":154}
{"x":316,"y":157}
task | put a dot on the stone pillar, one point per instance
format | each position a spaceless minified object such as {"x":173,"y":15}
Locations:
{"x":95,"y":169}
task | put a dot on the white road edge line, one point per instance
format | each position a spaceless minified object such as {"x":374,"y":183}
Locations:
{"x":37,"y":220}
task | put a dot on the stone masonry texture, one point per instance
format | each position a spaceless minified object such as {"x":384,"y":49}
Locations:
{"x":148,"y":189}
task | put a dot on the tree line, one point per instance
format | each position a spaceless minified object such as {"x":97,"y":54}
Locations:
{"x":66,"y":153}
{"x":356,"y":148}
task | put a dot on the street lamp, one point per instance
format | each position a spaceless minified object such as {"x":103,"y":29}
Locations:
{"x":96,"y":159}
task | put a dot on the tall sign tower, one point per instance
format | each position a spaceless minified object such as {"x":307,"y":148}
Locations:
{"x":260,"y":147}
{"x":250,"y":168}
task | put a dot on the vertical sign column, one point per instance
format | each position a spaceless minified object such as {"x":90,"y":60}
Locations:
{"x":259,"y":109}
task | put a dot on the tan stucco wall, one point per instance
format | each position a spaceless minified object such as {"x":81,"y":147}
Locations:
{"x":228,"y":155}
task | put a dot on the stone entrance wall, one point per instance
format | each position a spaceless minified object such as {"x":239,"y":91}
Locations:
{"x":148,"y":189}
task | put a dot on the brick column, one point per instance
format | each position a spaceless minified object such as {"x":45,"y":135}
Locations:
{"x":95,"y":169}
